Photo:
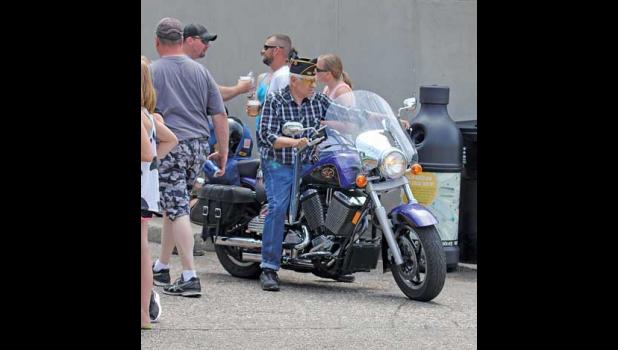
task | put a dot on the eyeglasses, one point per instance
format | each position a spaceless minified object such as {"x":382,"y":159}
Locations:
{"x":266,"y":47}
{"x":320,"y":69}
{"x":308,"y":81}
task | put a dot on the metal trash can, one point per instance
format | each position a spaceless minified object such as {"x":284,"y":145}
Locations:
{"x":467,"y":199}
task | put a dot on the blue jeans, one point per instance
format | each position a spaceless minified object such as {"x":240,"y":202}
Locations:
{"x":278,"y":179}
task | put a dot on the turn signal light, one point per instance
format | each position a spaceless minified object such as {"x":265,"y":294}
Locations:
{"x":361,"y":181}
{"x":416,"y":169}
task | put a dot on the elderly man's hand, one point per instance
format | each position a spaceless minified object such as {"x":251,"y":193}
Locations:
{"x":404,"y":124}
{"x":301,"y":142}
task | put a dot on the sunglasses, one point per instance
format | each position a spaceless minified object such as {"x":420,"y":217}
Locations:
{"x":307,"y":81}
{"x":266,"y":47}
{"x":320,"y":70}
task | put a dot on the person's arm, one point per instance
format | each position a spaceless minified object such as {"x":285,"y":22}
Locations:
{"x":147,"y":153}
{"x":229,"y":92}
{"x":167,"y":139}
{"x":284,"y":142}
{"x":216,"y":110}
{"x":222,"y":131}
{"x":270,"y":127}
{"x":346,"y":119}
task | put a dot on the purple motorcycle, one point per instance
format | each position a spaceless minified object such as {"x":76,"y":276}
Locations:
{"x":336,"y":224}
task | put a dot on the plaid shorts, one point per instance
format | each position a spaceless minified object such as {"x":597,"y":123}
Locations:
{"x":177,"y":173}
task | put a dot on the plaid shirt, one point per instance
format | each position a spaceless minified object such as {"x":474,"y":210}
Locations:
{"x":280,"y":108}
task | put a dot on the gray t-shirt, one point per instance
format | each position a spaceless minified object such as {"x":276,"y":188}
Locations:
{"x":186,"y":94}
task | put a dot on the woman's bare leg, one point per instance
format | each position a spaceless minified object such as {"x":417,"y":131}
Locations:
{"x":146,"y":279}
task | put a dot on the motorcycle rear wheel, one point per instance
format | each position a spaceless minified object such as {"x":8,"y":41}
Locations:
{"x":421,"y":276}
{"x":229,"y":259}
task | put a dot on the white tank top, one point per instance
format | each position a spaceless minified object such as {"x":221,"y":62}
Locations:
{"x":150,"y":174}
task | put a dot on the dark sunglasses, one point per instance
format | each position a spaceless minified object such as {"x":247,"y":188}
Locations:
{"x":320,"y":70}
{"x":266,"y":47}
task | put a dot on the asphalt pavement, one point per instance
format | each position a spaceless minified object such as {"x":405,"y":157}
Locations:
{"x":313,"y":313}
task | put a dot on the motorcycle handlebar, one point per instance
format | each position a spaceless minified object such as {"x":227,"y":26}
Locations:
{"x":311,"y":143}
{"x":314,"y":141}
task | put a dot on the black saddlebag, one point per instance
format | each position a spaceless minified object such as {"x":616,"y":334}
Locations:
{"x":221,"y":205}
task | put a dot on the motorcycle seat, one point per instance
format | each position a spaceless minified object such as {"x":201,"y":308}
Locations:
{"x":260,"y":192}
{"x":248,"y":167}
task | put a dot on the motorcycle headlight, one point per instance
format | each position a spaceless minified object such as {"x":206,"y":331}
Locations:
{"x":393,"y":164}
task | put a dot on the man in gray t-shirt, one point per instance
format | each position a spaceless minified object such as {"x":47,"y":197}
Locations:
{"x":186,"y":95}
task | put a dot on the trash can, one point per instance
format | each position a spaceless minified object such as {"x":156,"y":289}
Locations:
{"x":467,"y":199}
{"x":439,"y":145}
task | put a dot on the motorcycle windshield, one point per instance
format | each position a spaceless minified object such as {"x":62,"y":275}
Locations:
{"x":365,"y":121}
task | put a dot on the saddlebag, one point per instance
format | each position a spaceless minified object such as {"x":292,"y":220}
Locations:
{"x":221,"y":205}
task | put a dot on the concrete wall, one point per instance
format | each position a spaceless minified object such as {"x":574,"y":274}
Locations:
{"x":390,"y":47}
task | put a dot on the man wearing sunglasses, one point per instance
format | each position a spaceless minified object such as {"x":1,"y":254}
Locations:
{"x":296,"y":102}
{"x":276,"y":52}
{"x":275,"y":55}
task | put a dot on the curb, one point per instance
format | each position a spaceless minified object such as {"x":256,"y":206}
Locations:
{"x":467,"y":266}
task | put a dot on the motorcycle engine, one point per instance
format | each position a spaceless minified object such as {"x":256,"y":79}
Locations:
{"x":341,"y":217}
{"x":343,"y":214}
{"x":312,"y":208}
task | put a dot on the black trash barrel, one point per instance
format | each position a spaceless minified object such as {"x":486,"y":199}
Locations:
{"x":467,"y":200}
{"x":438,"y":141}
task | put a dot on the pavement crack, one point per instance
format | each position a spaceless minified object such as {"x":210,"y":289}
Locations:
{"x":396,"y":313}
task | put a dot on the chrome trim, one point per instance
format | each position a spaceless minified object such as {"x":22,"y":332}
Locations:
{"x":305,"y":242}
{"x":238,"y":242}
{"x":389,"y":184}
{"x":251,"y":257}
{"x":385,"y":223}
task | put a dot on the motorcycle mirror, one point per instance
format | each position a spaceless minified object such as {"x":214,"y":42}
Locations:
{"x":292,"y":128}
{"x":410,"y":103}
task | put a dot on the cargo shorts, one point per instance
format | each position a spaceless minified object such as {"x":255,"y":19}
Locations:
{"x":177,"y":173}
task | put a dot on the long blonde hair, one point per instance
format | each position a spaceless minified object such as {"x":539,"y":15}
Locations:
{"x":333,"y":64}
{"x":149,"y":97}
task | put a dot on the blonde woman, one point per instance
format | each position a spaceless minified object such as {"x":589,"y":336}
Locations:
{"x":329,"y":70}
{"x":152,"y":129}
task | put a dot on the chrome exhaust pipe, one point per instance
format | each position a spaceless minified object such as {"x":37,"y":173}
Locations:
{"x":305,"y":242}
{"x":251,"y":257}
{"x":238,"y":242}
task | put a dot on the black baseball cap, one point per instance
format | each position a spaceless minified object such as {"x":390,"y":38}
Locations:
{"x":303,"y":66}
{"x":198,"y":30}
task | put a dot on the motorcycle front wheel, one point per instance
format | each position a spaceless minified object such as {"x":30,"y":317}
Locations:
{"x":422,"y":274}
{"x":229,"y":257}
